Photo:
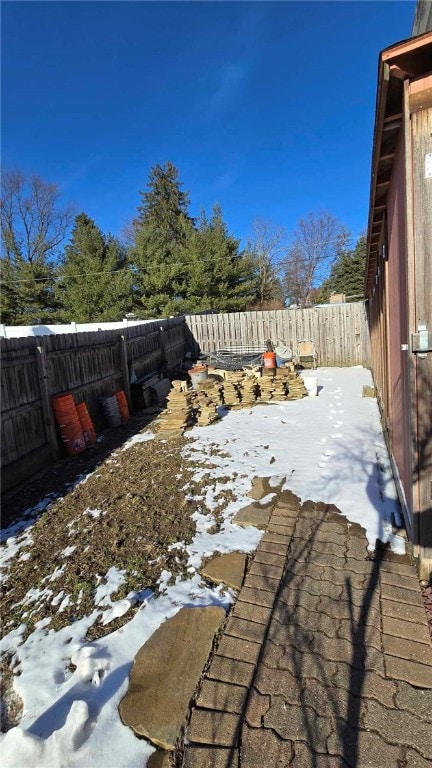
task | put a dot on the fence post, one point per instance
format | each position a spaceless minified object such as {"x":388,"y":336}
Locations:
{"x":162,"y":344}
{"x":47,"y":409}
{"x":125,"y":368}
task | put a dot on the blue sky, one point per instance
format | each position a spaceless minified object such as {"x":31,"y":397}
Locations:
{"x":265,"y":107}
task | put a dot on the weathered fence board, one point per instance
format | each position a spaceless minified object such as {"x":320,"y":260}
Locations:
{"x":88,"y":365}
{"x":339,"y":332}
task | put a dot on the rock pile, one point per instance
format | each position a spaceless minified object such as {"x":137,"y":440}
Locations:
{"x":179,"y":411}
{"x":238,"y":389}
{"x":207,"y":411}
{"x":249,"y":391}
{"x":231,"y":392}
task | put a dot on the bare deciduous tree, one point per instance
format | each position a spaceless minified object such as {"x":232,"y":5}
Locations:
{"x":316,"y":243}
{"x":267,"y":247}
{"x":32,"y":224}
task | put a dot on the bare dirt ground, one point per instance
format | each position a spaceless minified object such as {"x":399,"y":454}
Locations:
{"x":127,"y":514}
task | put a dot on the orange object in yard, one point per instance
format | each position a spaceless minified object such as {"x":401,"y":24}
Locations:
{"x":64,"y":407}
{"x":86,"y":423}
{"x":70,"y":428}
{"x":269,"y":359}
{"x":123,"y":405}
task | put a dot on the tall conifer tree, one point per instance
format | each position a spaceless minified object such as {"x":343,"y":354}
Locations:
{"x":163,"y":229}
{"x":219,"y":276}
{"x":96,"y":283}
{"x":348,"y":273}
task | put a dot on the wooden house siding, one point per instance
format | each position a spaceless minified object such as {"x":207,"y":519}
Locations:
{"x":399,"y":276}
{"x":398,"y":340}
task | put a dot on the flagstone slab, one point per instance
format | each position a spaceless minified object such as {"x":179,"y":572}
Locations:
{"x":253,"y":515}
{"x":263,"y":486}
{"x":165,"y":674}
{"x":160,"y":759}
{"x":226,"y":569}
{"x":260,"y":488}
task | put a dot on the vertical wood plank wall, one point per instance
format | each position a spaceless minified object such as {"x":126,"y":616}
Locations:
{"x":87,"y":365}
{"x":339,"y":332}
{"x":421,"y":128}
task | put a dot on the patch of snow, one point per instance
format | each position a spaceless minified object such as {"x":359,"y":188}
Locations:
{"x":64,"y":604}
{"x":70,"y":721}
{"x":10,"y":642}
{"x":55,"y":601}
{"x":203,"y":522}
{"x":114,"y":578}
{"x":28,"y":518}
{"x":119,"y":608}
{"x":141,"y":437}
{"x":266,"y":499}
{"x":276,"y":480}
{"x":11,"y":548}
{"x":55,"y":574}
{"x":81,"y":479}
{"x":230,"y":538}
{"x":36,"y":595}
{"x":164,"y":579}
{"x":68,"y":551}
{"x":357,"y":476}
{"x":92,"y":512}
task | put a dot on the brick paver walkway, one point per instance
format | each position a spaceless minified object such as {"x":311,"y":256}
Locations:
{"x":326,"y":659}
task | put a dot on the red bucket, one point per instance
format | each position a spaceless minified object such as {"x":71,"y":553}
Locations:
{"x":269,"y":359}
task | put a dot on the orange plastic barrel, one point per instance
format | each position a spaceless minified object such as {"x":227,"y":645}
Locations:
{"x":269,"y":359}
{"x":73,"y":439}
{"x":63,"y":406}
{"x":122,"y":404}
{"x":86,"y":423}
{"x":67,"y":419}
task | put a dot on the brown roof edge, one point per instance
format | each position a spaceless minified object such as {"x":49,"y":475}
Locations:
{"x":409,"y":45}
{"x":406,"y":58}
{"x":383,"y":79}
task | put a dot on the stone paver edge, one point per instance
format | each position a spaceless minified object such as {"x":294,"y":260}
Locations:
{"x":201,"y":721}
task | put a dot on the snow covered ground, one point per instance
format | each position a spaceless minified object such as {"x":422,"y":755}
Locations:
{"x":329,"y":448}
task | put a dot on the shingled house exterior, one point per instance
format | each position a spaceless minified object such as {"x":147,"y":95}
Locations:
{"x":399,"y":276}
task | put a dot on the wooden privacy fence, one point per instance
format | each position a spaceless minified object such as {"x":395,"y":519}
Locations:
{"x":89,"y":364}
{"x":35,"y":369}
{"x":340,"y":331}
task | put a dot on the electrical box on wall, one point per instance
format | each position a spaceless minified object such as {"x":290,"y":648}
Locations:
{"x":422,"y":341}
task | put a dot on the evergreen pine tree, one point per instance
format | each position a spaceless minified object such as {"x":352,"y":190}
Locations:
{"x":347,"y":274}
{"x":164,"y":204}
{"x":8,"y":291}
{"x":163,"y":230}
{"x":96,"y":283}
{"x":218,"y":276}
{"x":27,"y":291}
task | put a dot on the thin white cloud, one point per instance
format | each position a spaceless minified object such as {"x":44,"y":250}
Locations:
{"x":226,"y":179}
{"x":230,"y":81}
{"x":219,"y":183}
